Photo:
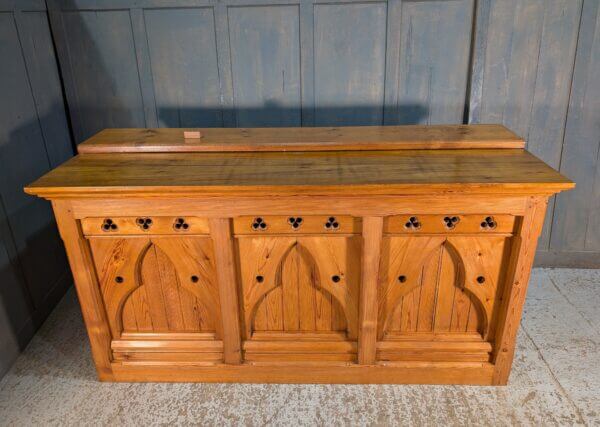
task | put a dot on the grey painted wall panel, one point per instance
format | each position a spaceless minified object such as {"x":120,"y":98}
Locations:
{"x":185,"y":72}
{"x":13,"y":310}
{"x":349,"y":63}
{"x":527,"y":51}
{"x":36,"y":42}
{"x":104,"y":70}
{"x":265,"y":61}
{"x":434,"y":61}
{"x":34,"y":137}
{"x":23,"y":158}
{"x":576,"y":226}
{"x":511,"y":51}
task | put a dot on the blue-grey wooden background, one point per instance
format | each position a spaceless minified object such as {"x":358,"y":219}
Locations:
{"x":533,"y":65}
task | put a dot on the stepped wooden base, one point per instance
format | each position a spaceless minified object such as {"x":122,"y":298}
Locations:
{"x":281,"y":373}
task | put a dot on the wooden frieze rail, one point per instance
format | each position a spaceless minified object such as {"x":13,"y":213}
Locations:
{"x":395,"y":254}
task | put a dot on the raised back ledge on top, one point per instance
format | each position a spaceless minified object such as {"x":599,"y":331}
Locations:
{"x":353,"y":138}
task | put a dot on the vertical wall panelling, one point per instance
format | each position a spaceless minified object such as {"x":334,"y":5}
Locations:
{"x":307,"y":62}
{"x":104,"y":72}
{"x":524,"y":53}
{"x":185,"y":73}
{"x":34,"y":137}
{"x":576,"y":225}
{"x":265,"y":60}
{"x":349,"y":64}
{"x":142,"y":51}
{"x":432,"y":82}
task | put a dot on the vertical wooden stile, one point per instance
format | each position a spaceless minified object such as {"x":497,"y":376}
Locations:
{"x":220,"y":231}
{"x":372,"y":233}
{"x":86,"y":285}
{"x":519,"y":269}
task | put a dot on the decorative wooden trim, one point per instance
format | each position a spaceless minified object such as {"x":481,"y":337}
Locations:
{"x":367,"y":336}
{"x":88,"y":290}
{"x":220,"y":230}
{"x":519,"y":269}
{"x":384,"y":205}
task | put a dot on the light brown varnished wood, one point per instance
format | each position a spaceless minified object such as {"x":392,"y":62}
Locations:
{"x":372,"y":235}
{"x":322,"y":173}
{"x":301,"y":139}
{"x":87,"y":287}
{"x":479,"y":373}
{"x":450,"y":224}
{"x":367,"y":299}
{"x":257,"y":225}
{"x":148,"y":225}
{"x":220,"y":230}
{"x":518,"y":272}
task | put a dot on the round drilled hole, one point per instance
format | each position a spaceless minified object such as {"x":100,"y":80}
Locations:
{"x":260,"y":279}
{"x":335,"y":278}
{"x":402,"y":279}
{"x":194,"y":279}
{"x":119,"y":279}
{"x":480,"y":279}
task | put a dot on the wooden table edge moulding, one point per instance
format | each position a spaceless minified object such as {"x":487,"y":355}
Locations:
{"x":397,"y":254}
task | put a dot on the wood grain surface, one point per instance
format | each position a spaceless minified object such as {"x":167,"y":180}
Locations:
{"x":302,"y":139}
{"x":341,"y":172}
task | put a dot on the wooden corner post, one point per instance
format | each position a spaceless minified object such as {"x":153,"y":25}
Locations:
{"x":220,"y":230}
{"x":372,"y":232}
{"x":86,"y":285}
{"x":522,"y":254}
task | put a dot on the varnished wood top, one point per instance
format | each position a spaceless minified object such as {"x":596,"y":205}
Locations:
{"x":303,"y":139}
{"x":513,"y":171}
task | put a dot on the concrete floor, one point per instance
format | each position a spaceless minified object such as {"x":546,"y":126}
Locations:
{"x":555,"y":380}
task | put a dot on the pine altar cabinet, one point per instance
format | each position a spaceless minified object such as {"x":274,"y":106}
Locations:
{"x":397,"y":254}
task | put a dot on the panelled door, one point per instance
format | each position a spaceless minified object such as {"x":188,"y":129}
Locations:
{"x":439,"y":293}
{"x":160,"y":293}
{"x":299,"y":291}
